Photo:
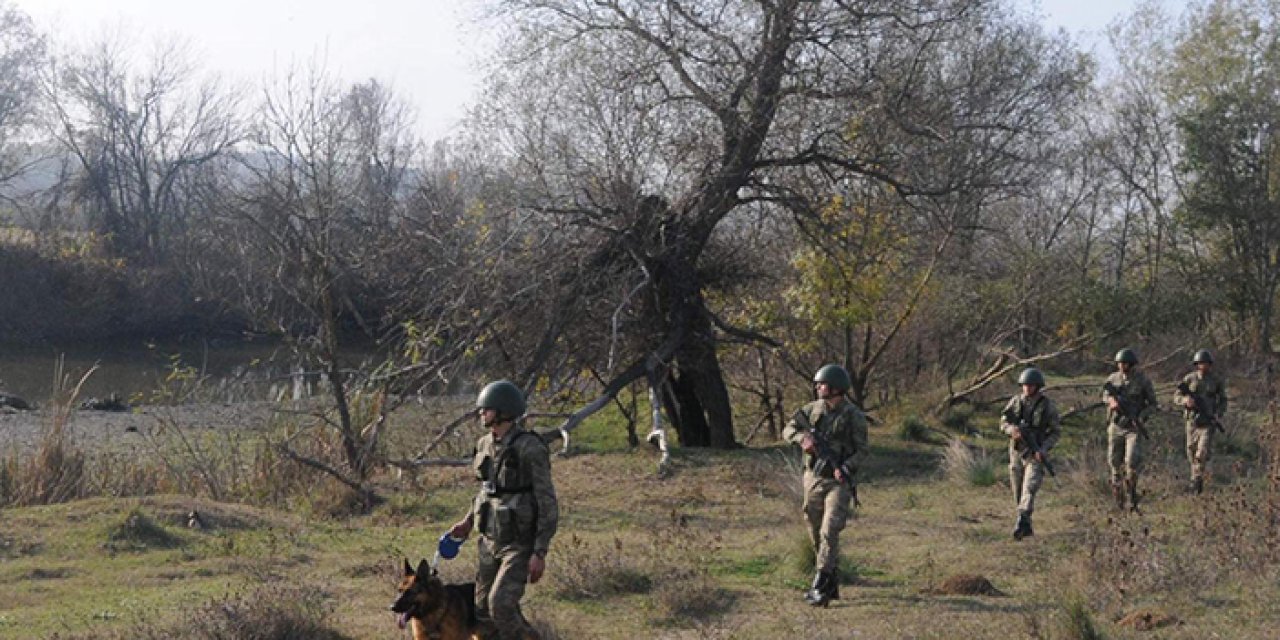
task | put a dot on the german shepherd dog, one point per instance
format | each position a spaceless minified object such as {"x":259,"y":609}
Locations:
{"x":435,"y":610}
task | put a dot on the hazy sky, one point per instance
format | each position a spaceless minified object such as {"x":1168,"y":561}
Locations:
{"x":427,"y":50}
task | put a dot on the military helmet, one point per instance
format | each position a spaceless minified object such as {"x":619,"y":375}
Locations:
{"x":504,"y":397}
{"x":1127,"y":355}
{"x":836,"y":376}
{"x":1031,"y":375}
{"x":1203,"y":355}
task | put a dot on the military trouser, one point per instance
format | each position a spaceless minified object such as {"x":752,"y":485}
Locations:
{"x":500,"y":584}
{"x":1199,"y":448}
{"x":826,"y":509}
{"x":1025,"y":477}
{"x":1123,"y":454}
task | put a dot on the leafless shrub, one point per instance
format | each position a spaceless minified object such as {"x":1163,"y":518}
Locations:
{"x":273,"y":612}
{"x":691,"y":594}
{"x":590,"y":571}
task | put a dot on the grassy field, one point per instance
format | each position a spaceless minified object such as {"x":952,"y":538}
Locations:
{"x":713,"y":549}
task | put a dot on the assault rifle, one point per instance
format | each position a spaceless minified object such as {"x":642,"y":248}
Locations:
{"x":1126,"y":408}
{"x":1185,"y":389}
{"x":825,"y":457}
{"x":1033,"y":445}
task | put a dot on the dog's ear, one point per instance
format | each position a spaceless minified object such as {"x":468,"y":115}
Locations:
{"x":424,"y":569}
{"x":408,"y":570}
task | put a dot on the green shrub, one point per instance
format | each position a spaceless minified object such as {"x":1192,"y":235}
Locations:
{"x":138,"y":532}
{"x":913,"y":429}
{"x":957,"y":418}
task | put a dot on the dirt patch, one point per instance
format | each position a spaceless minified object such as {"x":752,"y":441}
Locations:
{"x":1148,"y":619}
{"x":965,"y":585}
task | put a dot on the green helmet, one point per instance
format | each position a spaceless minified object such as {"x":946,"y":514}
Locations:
{"x":1127,"y":355}
{"x":1031,"y":375}
{"x":504,"y":397}
{"x":836,"y":376}
{"x":1203,"y":355}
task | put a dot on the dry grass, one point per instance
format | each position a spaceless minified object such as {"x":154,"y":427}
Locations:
{"x":967,"y":464}
{"x":270,"y":612}
{"x":57,"y":471}
{"x":590,"y":571}
{"x":716,"y":549}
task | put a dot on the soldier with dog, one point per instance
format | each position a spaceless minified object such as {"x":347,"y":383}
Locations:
{"x":515,"y":511}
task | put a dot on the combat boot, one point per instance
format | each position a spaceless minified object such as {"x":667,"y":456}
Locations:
{"x":1117,"y":492}
{"x":1023,"y":528}
{"x":1132,"y":485}
{"x":820,"y":594}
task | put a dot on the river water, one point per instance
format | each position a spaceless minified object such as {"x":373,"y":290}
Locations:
{"x":137,"y":369}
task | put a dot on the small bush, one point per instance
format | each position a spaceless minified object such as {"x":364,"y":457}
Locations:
{"x":969,"y":465}
{"x":138,"y":532}
{"x":957,"y":418}
{"x":693,"y":596}
{"x":913,"y":429}
{"x":1080,"y":625}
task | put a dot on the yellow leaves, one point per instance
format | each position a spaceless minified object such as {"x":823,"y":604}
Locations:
{"x":1067,"y":330}
{"x":412,"y":342}
{"x":853,"y":272}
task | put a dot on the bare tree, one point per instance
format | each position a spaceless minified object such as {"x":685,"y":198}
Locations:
{"x":641,"y":129}
{"x":22,"y":53}
{"x":136,"y":134}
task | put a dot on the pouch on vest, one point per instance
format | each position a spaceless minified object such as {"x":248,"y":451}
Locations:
{"x":504,"y":525}
{"x":483,"y":519}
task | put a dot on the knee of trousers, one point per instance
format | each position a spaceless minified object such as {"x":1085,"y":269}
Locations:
{"x":505,"y":612}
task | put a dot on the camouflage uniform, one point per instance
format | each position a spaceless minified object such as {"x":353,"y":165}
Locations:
{"x":1123,"y":454}
{"x":1025,"y":473}
{"x":516,"y":513}
{"x":826,"y":500}
{"x":1212,"y":390}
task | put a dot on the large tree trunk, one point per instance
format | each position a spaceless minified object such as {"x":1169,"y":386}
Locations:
{"x":699,"y":369}
{"x":700,"y":409}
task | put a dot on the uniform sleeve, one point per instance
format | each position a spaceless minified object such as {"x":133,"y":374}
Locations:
{"x":1008,"y":417}
{"x":797,"y":426}
{"x":1149,"y":399}
{"x":858,"y":434}
{"x":1221,"y":405}
{"x":477,"y":466}
{"x":1053,"y":424}
{"x":544,"y":493}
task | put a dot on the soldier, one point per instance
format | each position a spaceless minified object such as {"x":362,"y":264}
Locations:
{"x":1030,"y":419}
{"x":1130,"y":398}
{"x":516,"y":509}
{"x":834,"y":425}
{"x":1204,"y":403}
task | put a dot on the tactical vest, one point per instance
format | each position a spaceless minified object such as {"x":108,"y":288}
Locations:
{"x":497,"y":473}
